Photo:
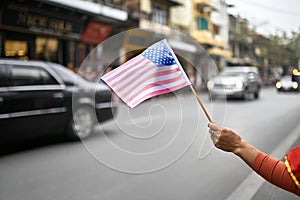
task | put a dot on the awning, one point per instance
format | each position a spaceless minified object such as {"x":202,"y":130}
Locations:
{"x":90,"y":7}
{"x":96,"y":32}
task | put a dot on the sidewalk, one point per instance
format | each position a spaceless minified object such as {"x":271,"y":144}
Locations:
{"x":270,"y":192}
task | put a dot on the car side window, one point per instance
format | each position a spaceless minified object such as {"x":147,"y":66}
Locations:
{"x":30,"y":75}
{"x":3,"y":76}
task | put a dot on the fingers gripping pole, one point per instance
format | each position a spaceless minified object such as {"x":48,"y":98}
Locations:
{"x":199,"y":101}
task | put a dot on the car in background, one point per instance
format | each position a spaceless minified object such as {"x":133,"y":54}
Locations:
{"x":285,"y":84}
{"x":239,"y":82}
{"x":39,"y":98}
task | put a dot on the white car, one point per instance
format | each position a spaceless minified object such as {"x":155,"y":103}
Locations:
{"x":241,"y":82}
{"x":285,"y":84}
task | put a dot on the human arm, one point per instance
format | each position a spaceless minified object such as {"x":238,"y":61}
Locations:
{"x":271,"y":169}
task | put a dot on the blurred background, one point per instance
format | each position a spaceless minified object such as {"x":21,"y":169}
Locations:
{"x":262,"y":34}
{"x":53,"y":52}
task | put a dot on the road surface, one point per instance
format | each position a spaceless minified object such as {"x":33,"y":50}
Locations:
{"x":159,"y":150}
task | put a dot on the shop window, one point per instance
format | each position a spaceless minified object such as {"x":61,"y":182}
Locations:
{"x":46,"y":49}
{"x":15,"y":48}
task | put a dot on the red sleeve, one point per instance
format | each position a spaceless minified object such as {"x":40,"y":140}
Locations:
{"x":275,"y":172}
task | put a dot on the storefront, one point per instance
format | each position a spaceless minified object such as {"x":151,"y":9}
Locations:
{"x":40,"y":32}
{"x":50,"y":31}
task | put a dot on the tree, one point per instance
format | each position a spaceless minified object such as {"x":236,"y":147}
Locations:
{"x":294,"y":47}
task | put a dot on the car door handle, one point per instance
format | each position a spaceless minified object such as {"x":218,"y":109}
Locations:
{"x":1,"y":100}
{"x":58,"y":95}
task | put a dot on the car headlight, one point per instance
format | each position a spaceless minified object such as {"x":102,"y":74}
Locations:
{"x":239,"y":85}
{"x":210,"y":85}
{"x":278,"y":85}
{"x":295,"y":85}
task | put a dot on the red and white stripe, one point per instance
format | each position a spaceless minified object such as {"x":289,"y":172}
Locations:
{"x":140,"y":79}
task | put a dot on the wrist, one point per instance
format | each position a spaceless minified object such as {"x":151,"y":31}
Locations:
{"x":246,"y":152}
{"x":240,"y":149}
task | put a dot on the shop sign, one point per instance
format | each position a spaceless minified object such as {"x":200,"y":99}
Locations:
{"x":31,"y":20}
{"x":96,"y":32}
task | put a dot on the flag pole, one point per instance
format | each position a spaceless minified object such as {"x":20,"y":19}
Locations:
{"x":199,"y":101}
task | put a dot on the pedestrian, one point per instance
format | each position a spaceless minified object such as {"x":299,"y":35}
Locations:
{"x":285,"y":175}
{"x":71,"y":67}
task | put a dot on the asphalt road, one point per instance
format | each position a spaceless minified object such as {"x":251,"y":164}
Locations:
{"x":159,"y":150}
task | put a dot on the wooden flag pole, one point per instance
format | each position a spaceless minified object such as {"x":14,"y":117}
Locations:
{"x":199,"y":101}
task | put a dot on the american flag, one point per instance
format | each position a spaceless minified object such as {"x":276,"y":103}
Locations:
{"x":153,"y":72}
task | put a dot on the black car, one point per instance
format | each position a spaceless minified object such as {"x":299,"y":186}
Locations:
{"x":40,"y":98}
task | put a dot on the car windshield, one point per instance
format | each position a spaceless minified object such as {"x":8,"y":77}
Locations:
{"x":286,"y":78}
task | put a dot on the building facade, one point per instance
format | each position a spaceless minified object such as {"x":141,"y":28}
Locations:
{"x":155,"y":23}
{"x":240,"y":42}
{"x":68,"y":32}
{"x":207,"y":23}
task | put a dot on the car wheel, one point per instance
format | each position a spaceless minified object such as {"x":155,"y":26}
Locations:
{"x":248,"y":96}
{"x":82,"y":123}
